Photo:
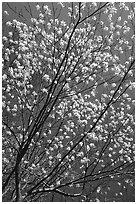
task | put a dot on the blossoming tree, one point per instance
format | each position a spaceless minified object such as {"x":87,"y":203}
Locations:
{"x":68,"y":102}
